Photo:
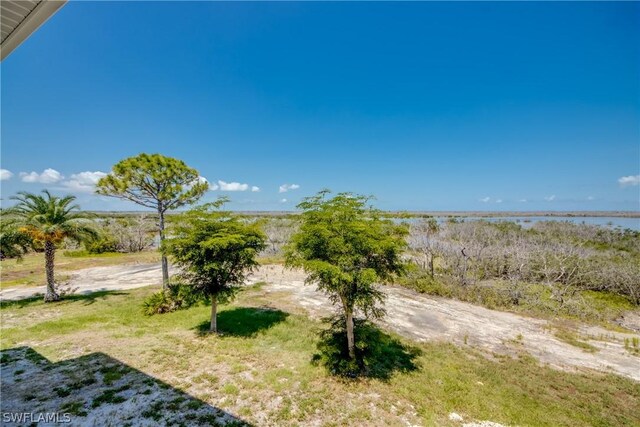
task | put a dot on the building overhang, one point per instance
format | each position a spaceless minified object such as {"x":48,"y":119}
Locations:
{"x":20,"y":18}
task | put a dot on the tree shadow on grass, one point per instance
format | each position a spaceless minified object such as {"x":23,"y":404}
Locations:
{"x":91,"y":297}
{"x":244,"y":322}
{"x":87,"y":298}
{"x":22,"y":302}
{"x":378,"y":354}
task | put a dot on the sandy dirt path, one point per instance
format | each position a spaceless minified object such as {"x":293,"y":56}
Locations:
{"x":111,"y":278}
{"x":410,"y":314}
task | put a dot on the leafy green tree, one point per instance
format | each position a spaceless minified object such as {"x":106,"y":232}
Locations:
{"x":48,"y":220}
{"x":13,"y":242}
{"x":215,"y":250}
{"x":346,"y":247}
{"x":157,"y":182}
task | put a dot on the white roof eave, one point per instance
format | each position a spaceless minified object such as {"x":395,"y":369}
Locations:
{"x":20,"y":32}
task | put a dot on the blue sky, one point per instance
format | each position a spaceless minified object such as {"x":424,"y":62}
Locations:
{"x":427,"y":106}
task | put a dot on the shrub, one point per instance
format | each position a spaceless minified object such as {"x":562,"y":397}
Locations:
{"x":101,"y":244}
{"x":177,"y":296}
{"x":422,"y":282}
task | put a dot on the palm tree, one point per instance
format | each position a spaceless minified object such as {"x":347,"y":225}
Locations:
{"x":13,"y":242}
{"x":49,"y":220}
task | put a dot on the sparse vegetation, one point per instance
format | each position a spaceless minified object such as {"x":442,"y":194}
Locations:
{"x":552,"y":268}
{"x":572,"y":338}
{"x":74,"y":408}
{"x":129,"y":234}
{"x":108,"y":396}
{"x":632,"y":345}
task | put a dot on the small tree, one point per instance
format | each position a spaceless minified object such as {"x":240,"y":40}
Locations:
{"x":48,"y":220}
{"x":157,"y":182}
{"x":346,"y":247}
{"x":216,"y":251}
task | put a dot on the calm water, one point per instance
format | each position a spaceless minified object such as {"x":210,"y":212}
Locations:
{"x":527,"y":221}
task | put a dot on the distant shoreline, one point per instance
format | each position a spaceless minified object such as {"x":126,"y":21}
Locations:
{"x":494,"y":214}
{"x":484,"y":214}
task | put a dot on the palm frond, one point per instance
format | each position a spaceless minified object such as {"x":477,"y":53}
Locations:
{"x":52,"y":218}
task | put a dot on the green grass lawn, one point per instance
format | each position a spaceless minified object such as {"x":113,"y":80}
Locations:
{"x":260,"y":368}
{"x":30,"y":270}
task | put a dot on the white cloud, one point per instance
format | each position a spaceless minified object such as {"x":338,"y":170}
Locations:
{"x":283,"y":200}
{"x":523,"y":200}
{"x":5,"y":174}
{"x":288,"y":187}
{"x":629,"y":181}
{"x":232,"y":186}
{"x":590,"y":198}
{"x":48,"y":176}
{"x":485,"y":199}
{"x":84,"y":182}
{"x":550,"y":198}
{"x":255,"y":189}
{"x":212,"y":185}
{"x":499,"y":201}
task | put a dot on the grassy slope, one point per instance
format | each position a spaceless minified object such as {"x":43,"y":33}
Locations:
{"x":260,"y":370}
{"x":30,"y":270}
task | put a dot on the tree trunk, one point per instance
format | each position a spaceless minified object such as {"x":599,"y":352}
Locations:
{"x":350,"y":336}
{"x":165,"y":264}
{"x":49,"y":257}
{"x":431,"y":264}
{"x":464,"y":268}
{"x":214,"y":314}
